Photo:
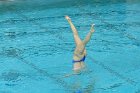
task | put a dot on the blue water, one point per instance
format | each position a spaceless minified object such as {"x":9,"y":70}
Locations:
{"x":36,"y":46}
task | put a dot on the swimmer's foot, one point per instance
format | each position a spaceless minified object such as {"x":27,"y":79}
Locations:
{"x":92,"y":28}
{"x":67,"y":17}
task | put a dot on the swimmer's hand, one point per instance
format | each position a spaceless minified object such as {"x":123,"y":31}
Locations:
{"x":92,"y":28}
{"x":67,"y":17}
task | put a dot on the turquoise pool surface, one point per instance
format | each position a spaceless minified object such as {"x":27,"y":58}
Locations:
{"x":36,"y":46}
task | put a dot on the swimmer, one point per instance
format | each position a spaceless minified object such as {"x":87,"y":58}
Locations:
{"x":80,"y":51}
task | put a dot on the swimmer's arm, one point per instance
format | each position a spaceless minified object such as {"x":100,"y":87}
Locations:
{"x":88,"y":37}
{"x":71,"y":25}
{"x":68,"y":75}
{"x":71,"y":74}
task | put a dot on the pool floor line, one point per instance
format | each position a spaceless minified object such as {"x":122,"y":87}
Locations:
{"x":128,"y":80}
{"x":55,"y":79}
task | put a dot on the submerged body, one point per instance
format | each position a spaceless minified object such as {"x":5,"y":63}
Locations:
{"x":80,"y":50}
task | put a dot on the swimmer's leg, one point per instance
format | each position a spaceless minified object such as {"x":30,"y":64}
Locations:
{"x":88,"y":37}
{"x":75,"y":33}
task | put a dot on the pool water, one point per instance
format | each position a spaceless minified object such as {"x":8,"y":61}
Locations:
{"x":36,"y":46}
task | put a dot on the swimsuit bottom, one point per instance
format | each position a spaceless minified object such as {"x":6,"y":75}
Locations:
{"x":83,"y":59}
